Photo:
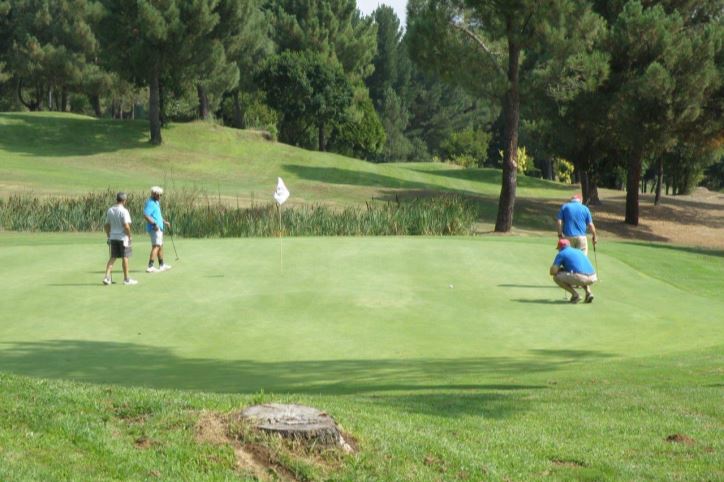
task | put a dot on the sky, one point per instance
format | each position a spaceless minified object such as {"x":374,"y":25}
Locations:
{"x":368,"y":6}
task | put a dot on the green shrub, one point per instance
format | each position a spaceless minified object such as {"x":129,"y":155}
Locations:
{"x":564,"y":170}
{"x":467,"y":148}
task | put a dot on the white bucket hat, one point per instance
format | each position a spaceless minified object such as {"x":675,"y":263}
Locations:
{"x":156,"y":190}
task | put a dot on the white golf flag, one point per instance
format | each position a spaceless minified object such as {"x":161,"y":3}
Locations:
{"x":282,"y":193}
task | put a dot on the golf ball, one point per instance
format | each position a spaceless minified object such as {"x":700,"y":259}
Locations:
{"x":451,"y":286}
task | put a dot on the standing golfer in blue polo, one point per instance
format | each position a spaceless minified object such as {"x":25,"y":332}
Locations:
{"x":571,"y":269}
{"x":154,"y":227}
{"x":573,"y":218}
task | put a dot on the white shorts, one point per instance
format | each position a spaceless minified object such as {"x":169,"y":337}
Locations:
{"x":156,"y":238}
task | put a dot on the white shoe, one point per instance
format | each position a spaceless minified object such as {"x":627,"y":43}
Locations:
{"x":107,"y":281}
{"x":130,"y":281}
{"x":151,"y":269}
{"x":165,"y":267}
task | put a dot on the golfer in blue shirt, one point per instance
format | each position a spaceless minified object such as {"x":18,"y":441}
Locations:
{"x":573,"y":219}
{"x":571,"y":269}
{"x":154,"y":227}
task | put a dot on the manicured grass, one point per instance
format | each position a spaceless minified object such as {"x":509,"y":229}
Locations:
{"x":495,"y":378}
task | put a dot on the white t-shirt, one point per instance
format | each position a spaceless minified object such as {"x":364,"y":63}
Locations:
{"x":117,"y":216}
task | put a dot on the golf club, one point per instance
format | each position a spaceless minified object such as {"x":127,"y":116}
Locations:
{"x":170,"y":233}
{"x":595,"y":259}
{"x":108,"y":242}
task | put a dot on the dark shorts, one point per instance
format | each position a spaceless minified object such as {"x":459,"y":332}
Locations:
{"x":118,"y":250}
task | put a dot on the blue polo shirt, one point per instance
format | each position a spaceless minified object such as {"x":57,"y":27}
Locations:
{"x":152,"y":209}
{"x":573,"y":260}
{"x":576,"y":217}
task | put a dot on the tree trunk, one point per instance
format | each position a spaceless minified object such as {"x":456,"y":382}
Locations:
{"x":203,"y":102}
{"x":322,"y":140}
{"x":64,"y":100}
{"x":593,"y":200}
{"x":659,"y":178}
{"x":506,"y":202}
{"x":154,"y":106}
{"x":548,"y":169}
{"x":39,"y":94}
{"x":238,"y":114}
{"x":582,"y":175}
{"x":95,"y":101}
{"x":161,"y":103}
{"x":632,"y":191}
{"x":31,"y":105}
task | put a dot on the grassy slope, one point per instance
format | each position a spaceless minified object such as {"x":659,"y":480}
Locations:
{"x":496,"y":377}
{"x":64,"y":153}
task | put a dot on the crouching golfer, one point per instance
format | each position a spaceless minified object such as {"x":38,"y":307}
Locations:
{"x":118,"y":235}
{"x":156,"y":223}
{"x":572,"y":269}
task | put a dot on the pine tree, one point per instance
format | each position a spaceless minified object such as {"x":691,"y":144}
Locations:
{"x":333,"y":29}
{"x":48,"y":45}
{"x":484,"y":46}
{"x":252,"y":47}
{"x":663,"y":86}
{"x":153,"y":41}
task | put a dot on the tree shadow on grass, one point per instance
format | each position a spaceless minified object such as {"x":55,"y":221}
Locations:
{"x":134,"y":364}
{"x":420,"y":385}
{"x":492,"y":176}
{"x":59,"y":136}
{"x":685,"y":249}
{"x":335,"y":175}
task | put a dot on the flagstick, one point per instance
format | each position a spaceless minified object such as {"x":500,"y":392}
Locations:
{"x":281,"y":247}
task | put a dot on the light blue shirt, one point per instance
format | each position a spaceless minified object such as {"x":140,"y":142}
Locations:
{"x":576,"y":217}
{"x":152,"y":209}
{"x":574,"y":261}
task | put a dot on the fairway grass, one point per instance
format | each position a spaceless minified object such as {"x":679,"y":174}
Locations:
{"x":446,"y":358}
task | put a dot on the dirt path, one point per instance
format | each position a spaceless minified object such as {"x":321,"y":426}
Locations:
{"x":692,"y":220}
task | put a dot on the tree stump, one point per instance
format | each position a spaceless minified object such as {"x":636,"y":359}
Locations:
{"x":296,"y":422}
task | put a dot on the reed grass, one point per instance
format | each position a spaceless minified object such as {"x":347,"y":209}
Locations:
{"x":194,"y":214}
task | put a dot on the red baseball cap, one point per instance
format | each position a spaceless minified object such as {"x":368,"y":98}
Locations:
{"x":563,"y":243}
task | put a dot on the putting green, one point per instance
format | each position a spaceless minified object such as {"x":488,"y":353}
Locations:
{"x":343,"y":314}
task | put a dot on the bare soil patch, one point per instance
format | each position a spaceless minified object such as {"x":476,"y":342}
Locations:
{"x":567,"y":463}
{"x":692,"y":220}
{"x":144,"y":442}
{"x":681,"y":439}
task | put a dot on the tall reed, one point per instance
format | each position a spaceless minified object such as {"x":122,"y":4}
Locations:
{"x":198,"y":216}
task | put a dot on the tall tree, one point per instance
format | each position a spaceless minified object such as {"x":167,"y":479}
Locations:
{"x":5,"y":40}
{"x":152,"y":40}
{"x":663,"y":74}
{"x":253,"y":46}
{"x":50,"y":43}
{"x":333,"y":29}
{"x":389,"y":84}
{"x":482,"y":46}
{"x":565,"y":113}
{"x":391,"y":65}
{"x":309,"y":91}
